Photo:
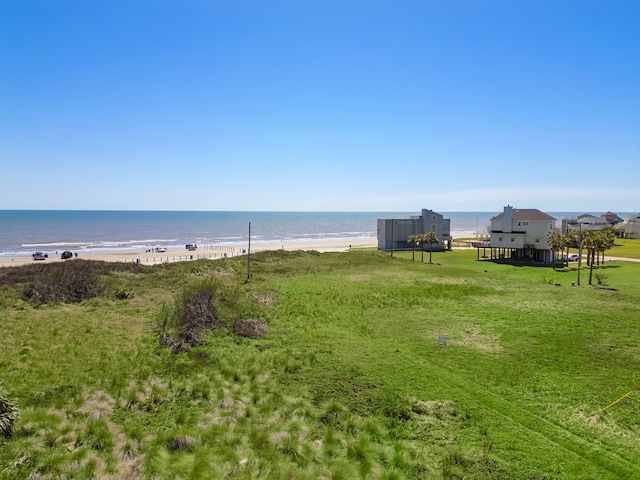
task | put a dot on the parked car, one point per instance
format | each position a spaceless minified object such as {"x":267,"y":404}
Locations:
{"x":572,"y":257}
{"x":66,"y":254}
{"x":39,"y":256}
{"x":191,"y":246}
{"x":160,"y":249}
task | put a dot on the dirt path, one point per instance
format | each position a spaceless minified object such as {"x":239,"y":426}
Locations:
{"x":622,"y":259}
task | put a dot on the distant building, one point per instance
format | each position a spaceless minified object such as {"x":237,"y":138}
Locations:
{"x":520,"y":235}
{"x":393,"y":234}
{"x":630,"y":227}
{"x":611,"y":217}
{"x":585,"y":221}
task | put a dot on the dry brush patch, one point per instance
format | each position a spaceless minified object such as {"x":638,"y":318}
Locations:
{"x":472,"y":336}
{"x":449,"y":280}
{"x":249,"y":328}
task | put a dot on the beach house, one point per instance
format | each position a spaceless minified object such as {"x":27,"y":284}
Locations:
{"x":394,"y":233}
{"x":585,"y":221}
{"x":611,"y":218}
{"x":520,"y":234}
{"x":630,"y":227}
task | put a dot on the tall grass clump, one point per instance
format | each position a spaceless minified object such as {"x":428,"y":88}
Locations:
{"x":9,"y":413}
{"x":96,"y":435}
{"x":201,"y":307}
{"x":181,"y":327}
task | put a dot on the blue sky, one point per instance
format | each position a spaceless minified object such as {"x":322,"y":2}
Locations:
{"x":320,"y":105}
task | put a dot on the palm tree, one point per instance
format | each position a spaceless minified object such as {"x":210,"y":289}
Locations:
{"x":608,"y":239}
{"x":554,"y":239}
{"x":430,"y":238}
{"x":590,"y":242}
{"x":569,"y":240}
{"x":414,"y":240}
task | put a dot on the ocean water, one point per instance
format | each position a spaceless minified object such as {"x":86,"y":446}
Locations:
{"x":24,"y":231}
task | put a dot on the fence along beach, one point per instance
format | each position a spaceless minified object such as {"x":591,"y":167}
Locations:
{"x":211,"y":252}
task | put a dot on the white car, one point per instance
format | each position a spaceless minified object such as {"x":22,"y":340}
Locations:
{"x":160,"y":250}
{"x":39,"y":256}
{"x":572,"y":257}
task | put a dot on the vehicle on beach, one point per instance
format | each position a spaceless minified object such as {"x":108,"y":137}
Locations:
{"x":191,"y":246}
{"x":66,"y":254}
{"x":160,"y":250}
{"x":39,"y":256}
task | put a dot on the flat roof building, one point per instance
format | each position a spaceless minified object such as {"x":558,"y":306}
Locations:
{"x":394,"y":233}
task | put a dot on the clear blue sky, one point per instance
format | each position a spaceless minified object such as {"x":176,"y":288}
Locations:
{"x":320,"y":105}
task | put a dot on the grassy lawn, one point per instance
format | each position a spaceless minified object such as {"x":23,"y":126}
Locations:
{"x":624,"y":247}
{"x":350,"y":382}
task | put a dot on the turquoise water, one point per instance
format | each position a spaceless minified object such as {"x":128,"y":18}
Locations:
{"x":24,"y":231}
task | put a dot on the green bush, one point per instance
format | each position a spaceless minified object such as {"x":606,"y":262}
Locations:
{"x":8,"y":414}
{"x":124,"y":293}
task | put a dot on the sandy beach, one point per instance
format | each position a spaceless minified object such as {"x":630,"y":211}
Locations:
{"x":210,"y":252}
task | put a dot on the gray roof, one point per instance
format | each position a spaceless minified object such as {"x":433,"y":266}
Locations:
{"x":526,"y":214}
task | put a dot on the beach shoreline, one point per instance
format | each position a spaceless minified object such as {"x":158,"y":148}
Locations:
{"x":213,"y":252}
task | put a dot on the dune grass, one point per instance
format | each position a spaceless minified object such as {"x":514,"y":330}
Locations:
{"x":350,"y":382}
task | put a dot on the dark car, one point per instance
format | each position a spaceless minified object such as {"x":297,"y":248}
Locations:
{"x":191,"y":246}
{"x":66,"y":254}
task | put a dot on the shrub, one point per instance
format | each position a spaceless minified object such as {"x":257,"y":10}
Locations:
{"x":63,"y":282}
{"x":124,"y":293}
{"x":8,"y":414}
{"x":181,"y":327}
{"x":601,"y":278}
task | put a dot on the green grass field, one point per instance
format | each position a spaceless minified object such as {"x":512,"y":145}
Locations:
{"x":624,"y":247}
{"x":350,"y":382}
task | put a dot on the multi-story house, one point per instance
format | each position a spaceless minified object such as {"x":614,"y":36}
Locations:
{"x":521,"y":234}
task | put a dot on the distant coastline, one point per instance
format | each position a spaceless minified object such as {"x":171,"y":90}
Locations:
{"x":105,"y":232}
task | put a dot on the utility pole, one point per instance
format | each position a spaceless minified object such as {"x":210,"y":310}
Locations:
{"x":579,"y":250}
{"x":392,"y":237}
{"x":249,"y":255}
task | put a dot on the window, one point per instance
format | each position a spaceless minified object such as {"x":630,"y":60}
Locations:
{"x":513,"y":239}
{"x":433,"y":218}
{"x":537,"y":240}
{"x":499,"y":239}
{"x":433,"y":227}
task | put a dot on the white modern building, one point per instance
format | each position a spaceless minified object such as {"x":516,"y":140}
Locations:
{"x":520,"y":234}
{"x":394,"y":233}
{"x":630,"y":227}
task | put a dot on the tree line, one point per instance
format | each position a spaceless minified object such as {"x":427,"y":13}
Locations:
{"x":594,"y":242}
{"x":422,"y":239}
